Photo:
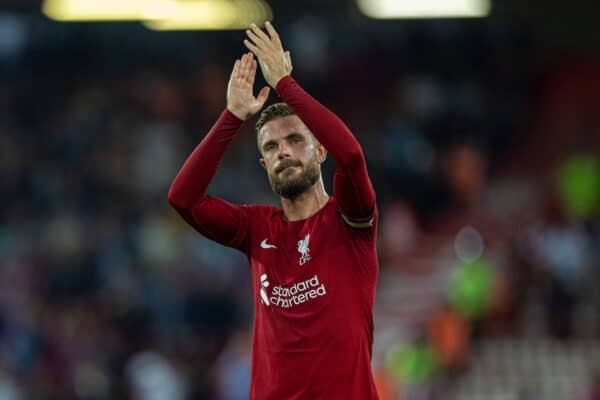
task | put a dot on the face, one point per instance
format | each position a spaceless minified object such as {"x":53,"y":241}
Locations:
{"x":292,"y":156}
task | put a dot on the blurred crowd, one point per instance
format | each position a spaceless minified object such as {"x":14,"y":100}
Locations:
{"x":475,"y":140}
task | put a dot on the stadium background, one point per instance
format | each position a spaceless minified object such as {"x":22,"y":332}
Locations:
{"x":482,"y":138}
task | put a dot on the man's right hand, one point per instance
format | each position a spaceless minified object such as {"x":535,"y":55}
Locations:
{"x":240,"y":99}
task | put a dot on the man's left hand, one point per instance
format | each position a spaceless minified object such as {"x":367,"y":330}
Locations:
{"x":273,"y":61}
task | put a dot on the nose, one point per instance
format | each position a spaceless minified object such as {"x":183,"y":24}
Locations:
{"x":284,"y":151}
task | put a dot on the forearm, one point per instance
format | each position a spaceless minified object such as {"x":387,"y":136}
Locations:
{"x":327,"y":127}
{"x":193,"y":179}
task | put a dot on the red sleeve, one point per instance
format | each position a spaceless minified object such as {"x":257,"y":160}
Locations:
{"x":214,"y":218}
{"x":352,"y":186}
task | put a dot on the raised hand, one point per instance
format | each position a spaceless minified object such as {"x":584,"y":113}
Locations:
{"x":240,"y":98}
{"x":274,"y":62}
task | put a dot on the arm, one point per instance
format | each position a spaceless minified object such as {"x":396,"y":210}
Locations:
{"x":352,"y":185}
{"x":212,"y":217}
{"x":215,"y":218}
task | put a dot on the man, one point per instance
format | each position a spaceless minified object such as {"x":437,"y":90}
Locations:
{"x":313,"y":262}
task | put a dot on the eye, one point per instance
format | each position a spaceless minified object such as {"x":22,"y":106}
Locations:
{"x":270,"y":146}
{"x":295,"y":139}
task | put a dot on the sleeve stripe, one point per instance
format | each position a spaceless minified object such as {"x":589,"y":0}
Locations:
{"x":357,"y":224}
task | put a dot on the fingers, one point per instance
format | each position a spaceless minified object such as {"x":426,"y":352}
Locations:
{"x":256,"y":39}
{"x":245,"y":69}
{"x":241,"y":67}
{"x":271,"y":58}
{"x":273,"y":33}
{"x":245,"y":65}
{"x":236,"y":69}
{"x":253,"y":48}
{"x":261,"y":40}
{"x":251,"y":72}
{"x":260,"y":34}
{"x":263,"y":95}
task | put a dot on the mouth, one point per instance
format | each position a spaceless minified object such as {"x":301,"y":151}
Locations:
{"x":284,"y":168}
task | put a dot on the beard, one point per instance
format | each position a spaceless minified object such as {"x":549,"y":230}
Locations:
{"x":290,"y":187}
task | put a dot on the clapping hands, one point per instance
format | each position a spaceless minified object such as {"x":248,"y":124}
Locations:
{"x":275,"y":63}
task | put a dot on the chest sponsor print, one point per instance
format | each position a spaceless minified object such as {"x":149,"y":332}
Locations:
{"x":293,"y":295}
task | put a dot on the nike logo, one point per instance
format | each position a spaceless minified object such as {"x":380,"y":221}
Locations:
{"x":266,"y":245}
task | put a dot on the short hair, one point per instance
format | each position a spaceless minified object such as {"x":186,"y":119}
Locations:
{"x":277,"y":110}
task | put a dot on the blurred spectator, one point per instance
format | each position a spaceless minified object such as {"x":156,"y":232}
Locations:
{"x":449,"y":335}
{"x":414,"y":367}
{"x":466,"y":168}
{"x":153,"y":378}
{"x":399,"y":232}
{"x":234,"y":368}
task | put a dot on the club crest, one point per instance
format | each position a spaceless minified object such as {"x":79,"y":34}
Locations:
{"x":304,"y":250}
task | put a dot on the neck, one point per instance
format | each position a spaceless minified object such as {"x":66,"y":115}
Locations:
{"x":306,"y":204}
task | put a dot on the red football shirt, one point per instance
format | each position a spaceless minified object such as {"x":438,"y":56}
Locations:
{"x":314,"y":288}
{"x":314,"y":280}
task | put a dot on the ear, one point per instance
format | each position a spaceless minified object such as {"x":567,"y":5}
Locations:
{"x":263,"y":163}
{"x":322,"y":153}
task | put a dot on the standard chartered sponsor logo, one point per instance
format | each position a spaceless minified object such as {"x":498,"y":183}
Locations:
{"x":298,"y":293}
